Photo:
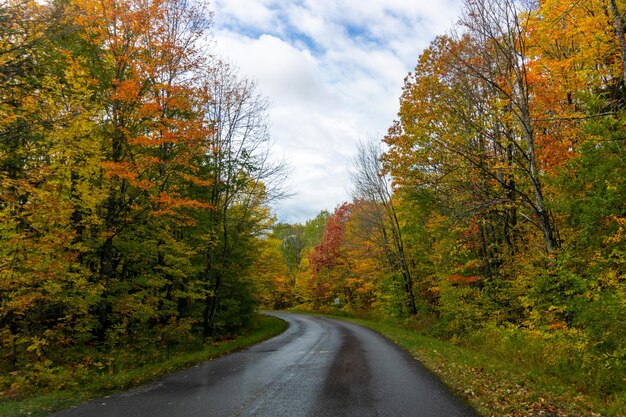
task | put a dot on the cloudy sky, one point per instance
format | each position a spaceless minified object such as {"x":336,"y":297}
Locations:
{"x":333,"y":72}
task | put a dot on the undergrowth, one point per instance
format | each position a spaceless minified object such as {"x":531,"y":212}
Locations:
{"x":502,"y":372}
{"x":123,"y":369}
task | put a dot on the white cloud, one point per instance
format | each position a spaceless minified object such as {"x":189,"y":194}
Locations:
{"x":333,"y":71}
{"x":285,"y":72}
{"x":251,"y":13}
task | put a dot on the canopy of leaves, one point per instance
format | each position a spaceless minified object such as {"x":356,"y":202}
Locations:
{"x":131,"y":209}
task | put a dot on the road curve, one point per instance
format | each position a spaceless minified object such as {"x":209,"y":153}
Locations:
{"x":319,"y":367}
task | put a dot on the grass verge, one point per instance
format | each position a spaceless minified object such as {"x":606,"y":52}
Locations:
{"x":41,"y":404}
{"x":494,"y":386}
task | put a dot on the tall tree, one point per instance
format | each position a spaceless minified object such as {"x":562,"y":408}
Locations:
{"x":372,"y":185}
{"x":501,"y":29}
{"x":244,"y":178}
{"x":147,"y":53}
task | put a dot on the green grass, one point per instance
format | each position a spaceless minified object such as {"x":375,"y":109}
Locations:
{"x":496,"y":386}
{"x":43,"y":403}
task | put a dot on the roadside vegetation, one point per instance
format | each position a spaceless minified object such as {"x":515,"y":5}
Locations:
{"x":106,"y":372}
{"x":497,"y":378}
{"x":505,"y":375}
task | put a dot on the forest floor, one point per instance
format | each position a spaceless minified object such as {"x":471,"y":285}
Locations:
{"x":494,"y":386}
{"x":136,"y":372}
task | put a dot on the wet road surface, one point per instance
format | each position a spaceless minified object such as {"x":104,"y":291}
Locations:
{"x":319,"y":367}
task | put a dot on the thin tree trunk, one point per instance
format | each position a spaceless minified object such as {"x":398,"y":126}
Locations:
{"x":208,"y":299}
{"x":545,"y":222}
{"x":406,"y":272}
{"x":106,"y":271}
{"x":210,"y":319}
{"x":511,"y":220}
{"x":619,"y":32}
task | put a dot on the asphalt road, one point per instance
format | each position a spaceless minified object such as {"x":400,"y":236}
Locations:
{"x":317,"y":368}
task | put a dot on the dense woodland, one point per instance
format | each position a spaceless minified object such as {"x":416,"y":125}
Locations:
{"x":494,"y":213}
{"x":135,"y":184}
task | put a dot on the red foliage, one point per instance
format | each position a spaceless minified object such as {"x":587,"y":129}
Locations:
{"x":460,"y":279}
{"x":326,"y":253}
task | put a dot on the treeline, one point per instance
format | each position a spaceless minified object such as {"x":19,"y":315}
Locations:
{"x":134,"y":183}
{"x":495,"y":212}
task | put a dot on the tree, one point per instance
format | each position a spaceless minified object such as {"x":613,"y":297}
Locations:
{"x":292,"y":247}
{"x":130,"y":165}
{"x":618,"y":21}
{"x":328,"y":262}
{"x":147,"y":53}
{"x":501,"y":29}
{"x":373,"y":186}
{"x":244,"y":178}
{"x":271,"y":274}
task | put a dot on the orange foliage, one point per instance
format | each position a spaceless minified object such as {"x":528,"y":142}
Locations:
{"x":459,"y":279}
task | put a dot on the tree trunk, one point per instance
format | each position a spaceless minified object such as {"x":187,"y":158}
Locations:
{"x":209,"y":299}
{"x":511,"y":221}
{"x":106,"y":271}
{"x":545,"y":223}
{"x":619,"y":32}
{"x":406,"y":272}
{"x":211,"y":308}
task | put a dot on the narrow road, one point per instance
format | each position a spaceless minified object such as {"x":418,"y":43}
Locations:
{"x":319,"y":367}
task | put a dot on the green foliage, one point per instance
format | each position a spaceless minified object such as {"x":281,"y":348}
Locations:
{"x":99,"y":373}
{"x":293,"y":242}
{"x":314,"y":229}
{"x":462,"y":309}
{"x":129,"y":215}
{"x":282,"y":267}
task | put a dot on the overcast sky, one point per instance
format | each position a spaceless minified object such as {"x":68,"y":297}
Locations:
{"x":333,"y":72}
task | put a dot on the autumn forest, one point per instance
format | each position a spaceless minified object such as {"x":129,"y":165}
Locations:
{"x":136,"y":184}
